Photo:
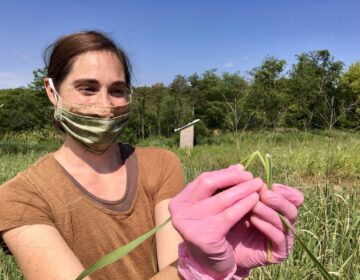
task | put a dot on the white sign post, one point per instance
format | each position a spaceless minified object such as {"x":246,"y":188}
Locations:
{"x":187,"y":134}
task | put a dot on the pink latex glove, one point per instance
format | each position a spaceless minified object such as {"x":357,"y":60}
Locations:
{"x":203,"y":219}
{"x":249,"y":236}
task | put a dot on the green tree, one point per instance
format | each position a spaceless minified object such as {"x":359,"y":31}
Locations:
{"x":138,"y":112}
{"x":208,"y":99}
{"x":314,"y":90}
{"x":24,"y":109}
{"x":350,"y":88}
{"x":38,"y":80}
{"x":158,"y":96}
{"x":264,"y":101}
{"x":179,"y":109}
{"x":234,"y":91}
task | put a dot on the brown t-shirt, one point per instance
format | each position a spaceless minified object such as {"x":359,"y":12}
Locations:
{"x":46,"y":194}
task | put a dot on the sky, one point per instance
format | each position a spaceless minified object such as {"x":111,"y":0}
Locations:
{"x":167,"y":38}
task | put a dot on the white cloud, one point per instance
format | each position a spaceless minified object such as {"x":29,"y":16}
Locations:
{"x":228,"y":64}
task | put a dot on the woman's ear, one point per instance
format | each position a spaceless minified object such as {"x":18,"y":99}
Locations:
{"x":49,"y":91}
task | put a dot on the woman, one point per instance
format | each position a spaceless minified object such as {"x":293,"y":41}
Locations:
{"x":93,"y":195}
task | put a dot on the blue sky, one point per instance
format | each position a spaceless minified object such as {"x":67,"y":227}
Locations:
{"x":166,"y":38}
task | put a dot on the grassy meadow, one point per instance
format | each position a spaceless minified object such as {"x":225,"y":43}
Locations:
{"x":324,"y":165}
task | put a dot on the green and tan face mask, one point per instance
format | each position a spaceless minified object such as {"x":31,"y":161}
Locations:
{"x":94,"y":127}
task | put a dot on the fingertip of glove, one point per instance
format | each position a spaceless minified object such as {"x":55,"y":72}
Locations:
{"x":238,"y":167}
{"x":258,"y":181}
{"x":254,"y":197}
{"x":292,"y":194}
{"x":277,"y":186}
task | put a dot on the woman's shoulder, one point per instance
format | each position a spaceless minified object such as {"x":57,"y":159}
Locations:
{"x":38,"y":169}
{"x":156,"y":154}
{"x":160,"y":172}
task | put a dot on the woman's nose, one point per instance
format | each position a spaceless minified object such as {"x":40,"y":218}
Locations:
{"x":105,"y":99}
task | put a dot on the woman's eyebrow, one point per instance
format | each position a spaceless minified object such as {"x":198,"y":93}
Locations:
{"x":85,"y":81}
{"x":118,"y":83}
{"x":95,"y":82}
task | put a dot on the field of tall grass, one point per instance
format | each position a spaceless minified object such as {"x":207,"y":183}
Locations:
{"x":324,"y":165}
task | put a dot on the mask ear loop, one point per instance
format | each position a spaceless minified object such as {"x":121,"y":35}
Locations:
{"x":131,"y":94}
{"x":56,"y":94}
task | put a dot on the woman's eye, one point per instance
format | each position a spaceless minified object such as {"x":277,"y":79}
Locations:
{"x":118,"y":93}
{"x":87,"y":90}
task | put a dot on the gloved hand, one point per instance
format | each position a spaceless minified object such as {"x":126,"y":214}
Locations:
{"x":203,"y":220}
{"x":250,"y":235}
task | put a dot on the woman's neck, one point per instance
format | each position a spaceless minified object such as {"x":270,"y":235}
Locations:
{"x":75,"y":155}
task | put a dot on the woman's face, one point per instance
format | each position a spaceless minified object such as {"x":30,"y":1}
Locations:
{"x":96,"y":78}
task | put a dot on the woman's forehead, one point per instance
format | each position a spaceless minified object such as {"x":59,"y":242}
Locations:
{"x":97,"y":65}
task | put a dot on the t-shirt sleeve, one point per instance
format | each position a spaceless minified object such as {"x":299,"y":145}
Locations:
{"x":172,"y":179}
{"x":21,"y":204}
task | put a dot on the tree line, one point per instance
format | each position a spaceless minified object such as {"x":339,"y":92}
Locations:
{"x":316,"y":92}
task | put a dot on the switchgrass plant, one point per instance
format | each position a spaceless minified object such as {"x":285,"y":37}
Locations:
{"x":267,"y":163}
{"x":325,"y":166}
{"x":329,"y":225}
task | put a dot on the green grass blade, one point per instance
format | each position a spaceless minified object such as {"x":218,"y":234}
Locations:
{"x":268,"y":170}
{"x":319,"y":266}
{"x":247,"y":161}
{"x":268,"y":174}
{"x":119,"y":252}
{"x":154,"y":262}
{"x":261,"y":158}
{"x":268,"y":256}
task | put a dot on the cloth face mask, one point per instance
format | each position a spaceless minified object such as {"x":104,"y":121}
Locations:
{"x":94,"y":127}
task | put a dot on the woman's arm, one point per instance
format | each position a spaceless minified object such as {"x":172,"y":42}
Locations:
{"x":167,"y":239}
{"x":168,"y":273}
{"x":42,"y":253}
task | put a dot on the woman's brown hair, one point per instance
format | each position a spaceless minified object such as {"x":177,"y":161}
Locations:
{"x":59,"y":56}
